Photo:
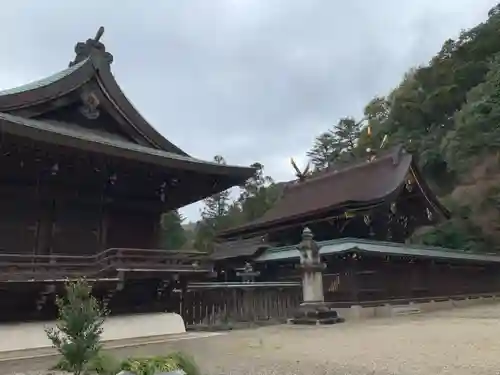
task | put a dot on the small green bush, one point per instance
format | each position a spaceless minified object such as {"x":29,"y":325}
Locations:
{"x":185,"y":362}
{"x":77,"y":335}
{"x":104,"y":364}
{"x":152,"y":365}
{"x":149,"y":366}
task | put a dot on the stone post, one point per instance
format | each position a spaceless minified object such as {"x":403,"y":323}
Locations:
{"x":313,"y":309}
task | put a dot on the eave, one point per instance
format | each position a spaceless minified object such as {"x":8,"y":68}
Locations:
{"x":49,"y":133}
{"x":377,"y":248}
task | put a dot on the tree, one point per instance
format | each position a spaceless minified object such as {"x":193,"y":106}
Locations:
{"x":446,"y":112}
{"x":324,"y":151}
{"x":214,"y":216}
{"x":77,"y":335}
{"x":172,"y":235}
{"x":338,"y":144}
{"x":346,"y":133}
{"x":217,"y":205}
{"x":476,"y":133}
{"x":257,"y":195}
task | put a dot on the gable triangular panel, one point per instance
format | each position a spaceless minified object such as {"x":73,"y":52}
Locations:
{"x":87,"y":87}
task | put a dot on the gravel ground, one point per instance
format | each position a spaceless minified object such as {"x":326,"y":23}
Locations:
{"x":459,"y":342}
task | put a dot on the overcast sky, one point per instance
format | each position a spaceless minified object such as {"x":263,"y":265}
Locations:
{"x":252,"y":80}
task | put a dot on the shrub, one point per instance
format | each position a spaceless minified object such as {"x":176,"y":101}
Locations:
{"x":185,"y":362}
{"x":153,"y":365}
{"x":77,"y":335}
{"x":104,"y":364}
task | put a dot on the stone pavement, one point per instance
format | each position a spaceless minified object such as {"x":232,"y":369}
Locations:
{"x":459,"y":342}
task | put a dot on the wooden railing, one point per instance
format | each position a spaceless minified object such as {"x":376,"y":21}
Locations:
{"x":55,"y":267}
{"x":220,"y":304}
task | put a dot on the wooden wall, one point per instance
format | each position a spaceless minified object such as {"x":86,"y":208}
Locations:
{"x":131,"y":228}
{"x":386,"y":278}
{"x":19,"y":213}
{"x":34,"y":222}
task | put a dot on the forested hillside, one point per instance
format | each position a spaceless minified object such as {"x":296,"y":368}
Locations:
{"x":447,"y":113}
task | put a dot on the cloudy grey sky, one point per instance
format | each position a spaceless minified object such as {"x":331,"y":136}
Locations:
{"x":252,"y":80}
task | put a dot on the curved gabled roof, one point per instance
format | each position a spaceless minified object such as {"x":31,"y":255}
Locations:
{"x":95,"y":65}
{"x":46,"y":89}
{"x":91,"y":70}
{"x":355,"y":186}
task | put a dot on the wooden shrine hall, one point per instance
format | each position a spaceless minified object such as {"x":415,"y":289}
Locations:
{"x":84,"y":179}
{"x":362,"y":216}
{"x":338,"y":202}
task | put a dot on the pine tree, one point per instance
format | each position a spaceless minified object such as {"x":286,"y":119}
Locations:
{"x":325,"y":151}
{"x":217,"y":205}
{"x":172,"y":235}
{"x":257,"y":195}
{"x":214,"y":216}
{"x":336,"y":144}
{"x":77,"y":335}
{"x":346,"y":134}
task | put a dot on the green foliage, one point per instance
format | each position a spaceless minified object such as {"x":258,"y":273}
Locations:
{"x":456,"y":234}
{"x":447,"y":113}
{"x":257,"y":195}
{"x":79,"y":327}
{"x":152,"y":365}
{"x":477,"y":132}
{"x":217,"y":205}
{"x":324,"y":151}
{"x":101,"y":364}
{"x":337,"y":144}
{"x":104,"y":364}
{"x":149,"y":366}
{"x":172,"y":235}
{"x":185,"y":362}
{"x":214,"y":216}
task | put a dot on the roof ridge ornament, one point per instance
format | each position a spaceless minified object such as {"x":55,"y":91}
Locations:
{"x":301,"y":175}
{"x":92,"y":47}
{"x":372,"y":154}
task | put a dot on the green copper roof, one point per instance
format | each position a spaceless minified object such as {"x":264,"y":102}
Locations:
{"x":43,"y":82}
{"x":350,"y":244}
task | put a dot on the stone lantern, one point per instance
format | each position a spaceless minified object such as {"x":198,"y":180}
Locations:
{"x":313,"y":309}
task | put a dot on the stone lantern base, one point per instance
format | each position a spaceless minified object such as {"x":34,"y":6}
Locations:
{"x":315,"y":314}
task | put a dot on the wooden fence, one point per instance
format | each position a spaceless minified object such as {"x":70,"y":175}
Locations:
{"x":219,"y":304}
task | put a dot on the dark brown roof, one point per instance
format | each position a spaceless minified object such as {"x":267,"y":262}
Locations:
{"x":72,"y":135}
{"x":239,"y":248}
{"x":91,"y":68}
{"x":94,"y":67}
{"x":356,"y":185}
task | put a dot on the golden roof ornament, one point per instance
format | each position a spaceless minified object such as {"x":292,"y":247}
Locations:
{"x":371,"y":153}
